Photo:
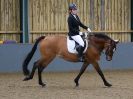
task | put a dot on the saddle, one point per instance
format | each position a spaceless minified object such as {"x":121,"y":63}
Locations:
{"x":72,"y":45}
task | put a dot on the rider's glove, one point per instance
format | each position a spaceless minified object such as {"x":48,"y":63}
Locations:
{"x":80,"y":33}
{"x":89,"y":30}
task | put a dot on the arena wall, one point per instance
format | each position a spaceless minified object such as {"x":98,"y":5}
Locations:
{"x":12,"y":56}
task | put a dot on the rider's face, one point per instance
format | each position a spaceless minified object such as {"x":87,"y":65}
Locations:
{"x":74,"y":11}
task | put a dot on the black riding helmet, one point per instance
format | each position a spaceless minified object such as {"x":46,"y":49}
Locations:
{"x":72,"y":6}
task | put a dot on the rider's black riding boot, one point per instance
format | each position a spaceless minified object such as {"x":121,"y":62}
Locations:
{"x":80,"y":50}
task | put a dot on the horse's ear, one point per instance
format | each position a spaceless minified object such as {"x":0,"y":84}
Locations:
{"x":117,"y":41}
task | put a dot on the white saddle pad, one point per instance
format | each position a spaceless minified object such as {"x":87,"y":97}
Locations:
{"x":71,"y":46}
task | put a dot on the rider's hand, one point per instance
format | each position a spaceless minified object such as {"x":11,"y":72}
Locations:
{"x":89,"y":30}
{"x":80,"y":33}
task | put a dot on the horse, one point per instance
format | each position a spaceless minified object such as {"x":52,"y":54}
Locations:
{"x":56,"y":46}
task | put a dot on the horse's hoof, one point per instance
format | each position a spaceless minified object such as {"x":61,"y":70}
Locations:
{"x":76,"y":82}
{"x":42,"y":84}
{"x":76,"y":85}
{"x":27,"y":78}
{"x":107,"y":84}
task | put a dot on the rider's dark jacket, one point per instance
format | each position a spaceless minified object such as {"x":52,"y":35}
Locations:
{"x":73,"y":25}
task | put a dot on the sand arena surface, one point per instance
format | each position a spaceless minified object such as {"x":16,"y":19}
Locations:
{"x":61,"y":86}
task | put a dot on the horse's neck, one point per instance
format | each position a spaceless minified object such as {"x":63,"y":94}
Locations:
{"x":99,"y":44}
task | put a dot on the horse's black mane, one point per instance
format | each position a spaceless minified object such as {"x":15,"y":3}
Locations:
{"x":101,"y":35}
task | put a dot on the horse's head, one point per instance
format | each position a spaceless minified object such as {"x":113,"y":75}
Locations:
{"x":110,"y":48}
{"x":104,"y":42}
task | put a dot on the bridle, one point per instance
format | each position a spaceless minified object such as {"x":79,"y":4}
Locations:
{"x":110,"y":49}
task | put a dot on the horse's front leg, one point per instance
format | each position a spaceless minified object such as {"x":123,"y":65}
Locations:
{"x":83,"y":68}
{"x":98,"y":69}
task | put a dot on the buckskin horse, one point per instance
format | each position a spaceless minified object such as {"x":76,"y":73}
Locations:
{"x":52,"y":46}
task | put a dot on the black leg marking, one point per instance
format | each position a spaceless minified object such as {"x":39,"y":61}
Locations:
{"x":99,"y":71}
{"x":32,"y":73}
{"x":40,"y":69}
{"x":83,"y":68}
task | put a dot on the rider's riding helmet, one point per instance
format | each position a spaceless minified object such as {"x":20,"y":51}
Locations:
{"x":72,"y":6}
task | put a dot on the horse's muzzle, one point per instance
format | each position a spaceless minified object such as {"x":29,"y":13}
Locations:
{"x":108,"y":58}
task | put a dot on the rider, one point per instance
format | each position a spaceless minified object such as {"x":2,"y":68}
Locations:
{"x":74,"y":32}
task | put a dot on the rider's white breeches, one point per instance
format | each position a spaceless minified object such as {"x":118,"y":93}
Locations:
{"x":78,"y":39}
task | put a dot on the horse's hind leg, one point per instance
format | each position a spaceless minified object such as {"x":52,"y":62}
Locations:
{"x":43,"y":64}
{"x":32,"y":72}
{"x":40,"y":69}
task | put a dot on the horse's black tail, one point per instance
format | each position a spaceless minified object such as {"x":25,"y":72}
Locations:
{"x":30,"y":55}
